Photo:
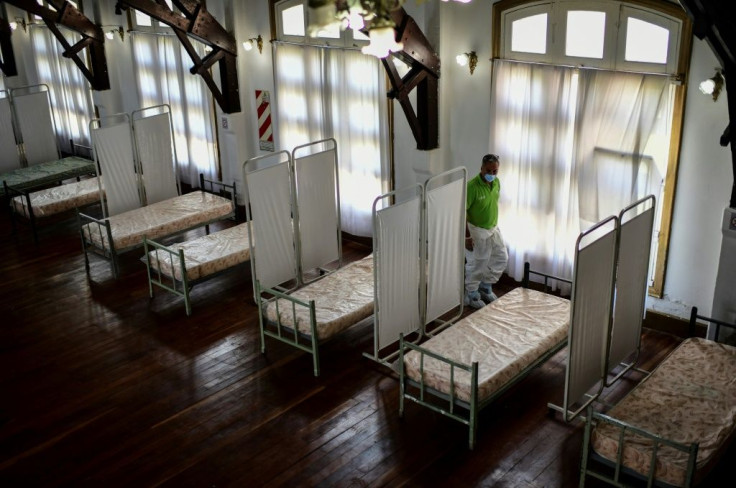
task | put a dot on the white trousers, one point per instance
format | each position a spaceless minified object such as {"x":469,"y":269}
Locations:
{"x":488,"y":259}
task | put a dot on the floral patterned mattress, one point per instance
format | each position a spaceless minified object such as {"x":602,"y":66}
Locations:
{"x":205,"y":255}
{"x":342,"y":299}
{"x":690,"y":397}
{"x":504,"y":337}
{"x":160,"y":219}
{"x":52,"y":201}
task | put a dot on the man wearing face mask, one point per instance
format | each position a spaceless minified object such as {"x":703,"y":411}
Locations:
{"x":485,"y":251}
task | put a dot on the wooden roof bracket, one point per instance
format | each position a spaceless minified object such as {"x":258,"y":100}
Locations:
{"x":70,"y":17}
{"x":423,"y":75}
{"x":7,"y":57}
{"x":196,"y":22}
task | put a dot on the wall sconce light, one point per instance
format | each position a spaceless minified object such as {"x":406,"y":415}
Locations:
{"x":248,"y":45}
{"x":110,"y":34}
{"x":19,"y":21}
{"x":470,"y":59}
{"x":712,"y":86}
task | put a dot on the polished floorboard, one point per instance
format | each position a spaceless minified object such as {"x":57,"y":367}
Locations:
{"x":102,"y":386}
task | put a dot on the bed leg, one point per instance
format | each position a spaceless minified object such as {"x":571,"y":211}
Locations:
{"x":187,"y":303}
{"x":315,"y":339}
{"x":586,"y":444}
{"x":473,"y":405}
{"x":402,"y":380}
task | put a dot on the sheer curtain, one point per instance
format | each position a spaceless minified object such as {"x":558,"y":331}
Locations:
{"x":70,"y":92}
{"x":618,"y":115}
{"x":576,"y":146}
{"x":323,"y":93}
{"x":162,"y":75}
{"x":532,"y":130}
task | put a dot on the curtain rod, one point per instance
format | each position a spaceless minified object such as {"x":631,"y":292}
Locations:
{"x":323,"y":46}
{"x":592,"y":68}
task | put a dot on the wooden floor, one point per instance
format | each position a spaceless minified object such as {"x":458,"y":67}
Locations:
{"x":102,"y":386}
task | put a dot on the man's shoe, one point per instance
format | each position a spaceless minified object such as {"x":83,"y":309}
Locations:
{"x":486,"y":293}
{"x":473,"y":300}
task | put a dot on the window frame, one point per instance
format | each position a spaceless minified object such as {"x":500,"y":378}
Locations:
{"x":609,"y":35}
{"x":527,"y":10}
{"x":673,"y":26}
{"x":614,"y":46}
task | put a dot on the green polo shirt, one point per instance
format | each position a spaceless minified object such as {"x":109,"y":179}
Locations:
{"x":482,"y":202}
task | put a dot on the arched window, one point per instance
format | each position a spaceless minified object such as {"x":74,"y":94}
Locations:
{"x":586,"y":112}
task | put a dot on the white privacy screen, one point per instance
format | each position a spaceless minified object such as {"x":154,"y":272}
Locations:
{"x":445,"y":230}
{"x":114,"y":152}
{"x":591,"y":308}
{"x":154,"y":142}
{"x":631,"y":286}
{"x":397,"y":258}
{"x":33,"y":114}
{"x":269,"y":194}
{"x":316,"y":197}
{"x":9,"y":159}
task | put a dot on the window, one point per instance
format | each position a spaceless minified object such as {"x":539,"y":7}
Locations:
{"x":586,"y":31}
{"x":610,"y":35}
{"x":645,"y":42}
{"x":578,"y":143}
{"x":162,"y":77}
{"x":529,"y":35}
{"x":292,"y":19}
{"x":338,"y":92}
{"x":143,"y":22}
{"x":70,"y":92}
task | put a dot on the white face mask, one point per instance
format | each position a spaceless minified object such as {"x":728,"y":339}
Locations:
{"x":489,"y":177}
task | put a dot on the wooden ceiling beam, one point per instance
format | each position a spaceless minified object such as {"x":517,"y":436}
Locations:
{"x":67,"y":15}
{"x":7,"y":57}
{"x":423,"y":75}
{"x":194,"y":21}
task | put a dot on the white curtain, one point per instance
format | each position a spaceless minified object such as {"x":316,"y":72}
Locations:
{"x":620,"y":161}
{"x":576,"y":146}
{"x":162,"y":75}
{"x":70,"y":92}
{"x":533,"y":110}
{"x":323,"y":93}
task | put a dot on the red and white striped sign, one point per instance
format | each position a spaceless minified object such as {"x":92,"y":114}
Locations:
{"x":265,"y":130}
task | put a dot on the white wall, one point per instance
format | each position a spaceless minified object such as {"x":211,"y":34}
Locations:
{"x":703,"y":190}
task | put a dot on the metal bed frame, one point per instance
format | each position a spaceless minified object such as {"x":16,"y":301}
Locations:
{"x":594,"y":417}
{"x":448,"y":404}
{"x":181,"y":287}
{"x":25,"y":193}
{"x":286,"y":334}
{"x":102,"y":228}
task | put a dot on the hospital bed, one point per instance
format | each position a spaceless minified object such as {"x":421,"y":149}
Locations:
{"x":672,"y":428}
{"x":304,"y":294}
{"x":180,"y":266}
{"x":42,"y":201}
{"x":138,"y":165}
{"x":469,"y":364}
{"x":48,"y":173}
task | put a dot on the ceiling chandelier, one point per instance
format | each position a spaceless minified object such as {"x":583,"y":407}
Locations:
{"x":372,"y":16}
